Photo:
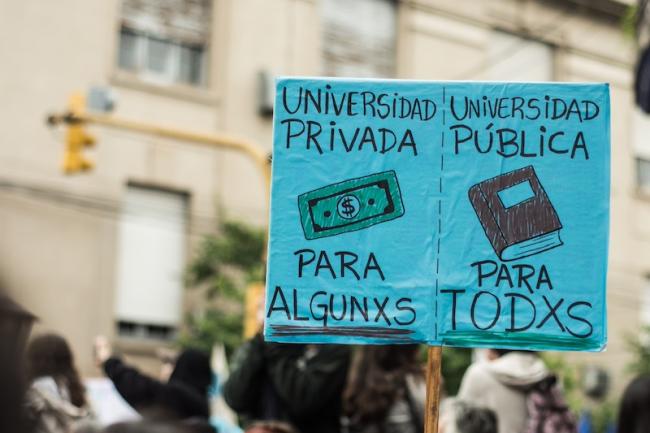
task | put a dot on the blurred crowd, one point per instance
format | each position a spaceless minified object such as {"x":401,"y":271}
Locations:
{"x":291,"y":388}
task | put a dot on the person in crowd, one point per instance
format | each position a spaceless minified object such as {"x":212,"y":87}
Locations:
{"x":158,"y":426}
{"x":15,"y":327}
{"x":167,"y":363}
{"x":520,"y":390}
{"x":270,"y":427}
{"x":634,"y":413}
{"x":294,"y":383}
{"x":56,"y":400}
{"x":183,"y":396}
{"x":457,"y":416}
{"x":386,"y":391}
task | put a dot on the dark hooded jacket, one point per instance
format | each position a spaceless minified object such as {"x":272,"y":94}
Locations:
{"x":184,"y":396}
{"x":289,"y":382}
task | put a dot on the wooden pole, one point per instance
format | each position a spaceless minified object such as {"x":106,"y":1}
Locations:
{"x":432,"y":409}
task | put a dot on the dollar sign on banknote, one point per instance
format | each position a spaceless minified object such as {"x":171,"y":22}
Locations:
{"x":351,"y":205}
{"x":348,"y":206}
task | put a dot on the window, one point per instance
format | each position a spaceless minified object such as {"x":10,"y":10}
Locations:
{"x":150,"y":262}
{"x":641,"y":145}
{"x":354,"y":46}
{"x":513,"y":58}
{"x":165,"y":41}
{"x":643,"y":173}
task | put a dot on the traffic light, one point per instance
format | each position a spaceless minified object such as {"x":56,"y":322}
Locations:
{"x":76,"y":137}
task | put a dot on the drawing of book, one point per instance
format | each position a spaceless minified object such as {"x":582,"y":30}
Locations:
{"x":516,"y":214}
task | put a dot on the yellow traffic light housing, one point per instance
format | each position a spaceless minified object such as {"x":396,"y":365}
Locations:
{"x":77,"y":139}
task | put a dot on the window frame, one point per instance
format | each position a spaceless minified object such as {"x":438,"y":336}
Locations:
{"x":171,"y":76}
{"x":638,"y":161}
{"x":331,"y":66}
{"x":215,"y":47}
{"x":491,"y":73}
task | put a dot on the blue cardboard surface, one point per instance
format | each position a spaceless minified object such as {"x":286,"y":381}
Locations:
{"x":401,"y":211}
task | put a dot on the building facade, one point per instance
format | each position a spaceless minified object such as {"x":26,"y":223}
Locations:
{"x":103,"y":252}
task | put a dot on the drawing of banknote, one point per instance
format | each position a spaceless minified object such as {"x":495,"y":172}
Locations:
{"x":351,"y":205}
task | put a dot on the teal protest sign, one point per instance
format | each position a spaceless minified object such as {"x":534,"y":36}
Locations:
{"x":451,"y":213}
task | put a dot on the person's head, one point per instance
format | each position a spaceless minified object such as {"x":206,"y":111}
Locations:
{"x":493,"y":354}
{"x":376,"y":377}
{"x":270,"y":427}
{"x":50,"y":355}
{"x":461,"y":417}
{"x":390,"y":358}
{"x":13,"y":382}
{"x":193,"y":369}
{"x":154,"y":426}
{"x":634,"y":413}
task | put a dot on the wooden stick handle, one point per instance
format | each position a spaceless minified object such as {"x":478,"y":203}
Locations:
{"x":434,"y":362}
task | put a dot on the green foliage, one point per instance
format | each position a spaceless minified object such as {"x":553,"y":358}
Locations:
{"x":628,"y":22}
{"x":603,"y":416}
{"x":603,"y":413}
{"x":224,"y":264}
{"x":569,"y":376}
{"x":455,"y":361}
{"x":204,"y":330}
{"x":235,"y":246}
{"x":640,"y":348}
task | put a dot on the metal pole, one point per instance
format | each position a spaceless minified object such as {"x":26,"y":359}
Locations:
{"x":225,"y":141}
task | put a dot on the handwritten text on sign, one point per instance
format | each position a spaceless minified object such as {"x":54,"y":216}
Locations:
{"x":469,"y":214}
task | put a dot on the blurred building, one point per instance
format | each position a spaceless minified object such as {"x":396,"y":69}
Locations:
{"x":103,"y":252}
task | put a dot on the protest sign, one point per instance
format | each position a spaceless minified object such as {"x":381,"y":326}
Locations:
{"x":448,"y":213}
